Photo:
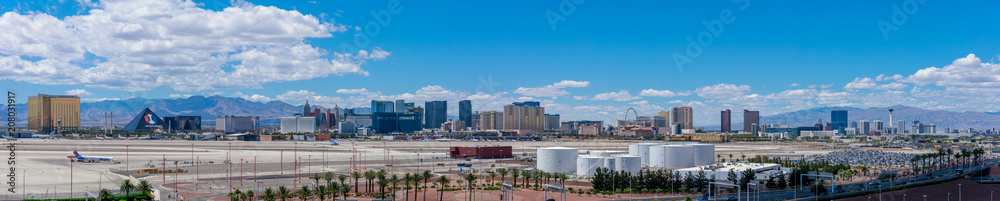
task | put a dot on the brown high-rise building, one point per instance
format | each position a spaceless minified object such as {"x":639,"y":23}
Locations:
{"x":53,"y":112}
{"x":522,"y":116}
{"x":750,"y":118}
{"x":726,"y":121}
{"x":683,"y":116}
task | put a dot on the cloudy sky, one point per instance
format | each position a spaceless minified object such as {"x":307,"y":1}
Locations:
{"x":585,"y":60}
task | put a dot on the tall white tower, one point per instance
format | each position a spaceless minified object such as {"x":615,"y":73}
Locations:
{"x":890,"y":119}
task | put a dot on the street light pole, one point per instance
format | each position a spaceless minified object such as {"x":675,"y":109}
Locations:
{"x":959,"y":192}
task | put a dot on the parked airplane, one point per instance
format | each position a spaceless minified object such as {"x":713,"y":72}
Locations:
{"x":334,"y":143}
{"x":92,"y":158}
{"x":50,"y":135}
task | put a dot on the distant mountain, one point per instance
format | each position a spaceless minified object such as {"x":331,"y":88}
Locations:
{"x":92,"y":113}
{"x":943,"y":119}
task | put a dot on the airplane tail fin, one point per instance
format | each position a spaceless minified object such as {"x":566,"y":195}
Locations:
{"x":52,"y":134}
{"x":76,"y":154}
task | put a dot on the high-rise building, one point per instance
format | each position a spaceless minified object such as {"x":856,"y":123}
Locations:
{"x":683,"y":116}
{"x":235,"y":124}
{"x":399,"y":106}
{"x":489,"y":120}
{"x":551,"y":122}
{"x":53,"y":112}
{"x":657,"y":123}
{"x":838,"y":120}
{"x":383,"y":106}
{"x":475,"y":121}
{"x":435,"y":113}
{"x":298,"y":124}
{"x":394,"y":122}
{"x":726,"y":124}
{"x":465,"y":112}
{"x":305,"y":109}
{"x":750,"y":118}
{"x":521,"y":116}
{"x":879,"y":126}
{"x":666,"y":116}
{"x":899,"y":127}
{"x":865,"y":127}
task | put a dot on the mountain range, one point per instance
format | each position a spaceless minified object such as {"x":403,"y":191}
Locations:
{"x":92,"y":113}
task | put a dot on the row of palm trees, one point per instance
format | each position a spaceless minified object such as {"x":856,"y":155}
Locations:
{"x":924,"y":162}
{"x":334,"y":189}
{"x":527,"y":175}
{"x":127,"y":188}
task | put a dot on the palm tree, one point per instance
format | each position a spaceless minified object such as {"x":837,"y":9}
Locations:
{"x":503,"y":174}
{"x":356,"y":176}
{"x":443,"y":180}
{"x":268,"y":195}
{"x":345,"y":188}
{"x":395,"y":183}
{"x":527,"y":175}
{"x":369,"y":176}
{"x":127,"y":188}
{"x":427,"y":177}
{"x":744,"y":157}
{"x":321,"y":192}
{"x":328,"y":177}
{"x":514,"y":173}
{"x":562,"y":178}
{"x":144,"y":187}
{"x":283,"y":193}
{"x":406,"y":185}
{"x":718,"y":157}
{"x":730,"y":157}
{"x":493,"y":176}
{"x":342,"y":178}
{"x":950,"y":153}
{"x":249,"y":195}
{"x":382,"y":183}
{"x":316,"y":179}
{"x":416,"y":184}
{"x":304,"y":193}
{"x":471,"y":178}
{"x":235,"y":195}
{"x":538,"y":176}
{"x":105,"y":194}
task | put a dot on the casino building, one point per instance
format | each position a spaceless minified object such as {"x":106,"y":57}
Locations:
{"x":145,"y":122}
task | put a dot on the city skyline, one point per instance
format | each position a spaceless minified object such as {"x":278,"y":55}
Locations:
{"x":898,"y":67}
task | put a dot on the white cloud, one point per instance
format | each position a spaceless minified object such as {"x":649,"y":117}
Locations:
{"x":883,"y":77}
{"x":179,"y":95}
{"x":622,"y":95}
{"x":966,"y":72}
{"x":722,"y":91}
{"x":657,"y":93}
{"x":793,"y":85}
{"x":78,"y":92}
{"x":860,"y":83}
{"x":143,"y":44}
{"x":579,"y":97}
{"x":552,"y":90}
{"x":822,"y":86}
{"x":571,"y":83}
{"x":352,"y":91}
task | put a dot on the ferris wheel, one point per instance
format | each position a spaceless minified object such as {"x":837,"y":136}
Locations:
{"x":634,"y":119}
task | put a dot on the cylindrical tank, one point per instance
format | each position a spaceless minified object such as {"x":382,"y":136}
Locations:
{"x":606,"y":153}
{"x":609,"y":162}
{"x":656,"y":156}
{"x":587,"y":165}
{"x":628,"y":163}
{"x":704,"y":154}
{"x":641,"y":150}
{"x":557,"y":159}
{"x":678,"y":156}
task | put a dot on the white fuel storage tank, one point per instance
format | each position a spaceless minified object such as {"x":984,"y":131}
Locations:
{"x":704,"y":154}
{"x":557,"y":159}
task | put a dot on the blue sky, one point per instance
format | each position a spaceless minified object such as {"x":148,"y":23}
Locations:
{"x":601,"y":58}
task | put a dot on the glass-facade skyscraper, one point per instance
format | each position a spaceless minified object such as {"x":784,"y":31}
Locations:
{"x":838,"y":120}
{"x":435,"y":113}
{"x":465,"y":112}
{"x":383,"y":106}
